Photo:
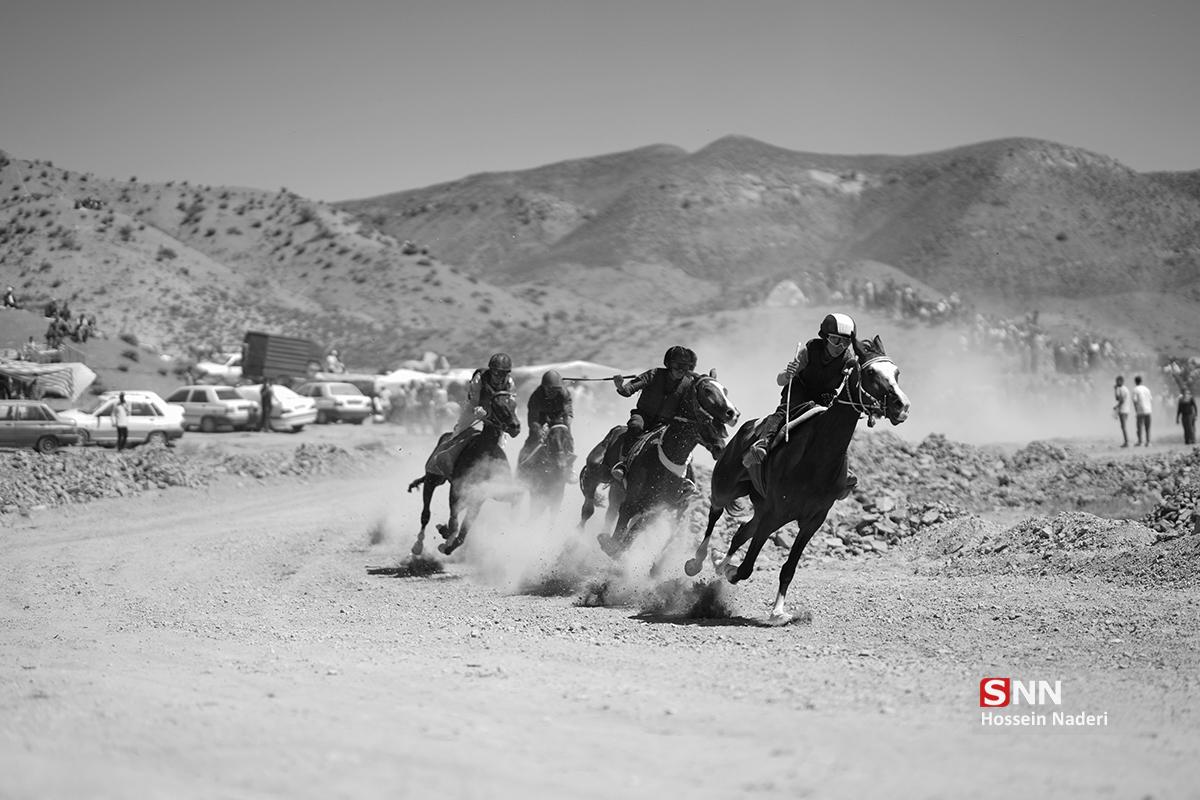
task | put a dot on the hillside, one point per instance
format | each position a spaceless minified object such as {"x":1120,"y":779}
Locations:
{"x":610,"y":257}
{"x":1010,"y":220}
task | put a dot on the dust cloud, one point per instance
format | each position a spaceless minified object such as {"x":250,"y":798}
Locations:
{"x":968,"y":396}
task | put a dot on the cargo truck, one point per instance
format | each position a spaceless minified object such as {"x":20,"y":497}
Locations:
{"x":283,"y":359}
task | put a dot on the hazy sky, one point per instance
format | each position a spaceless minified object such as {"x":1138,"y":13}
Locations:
{"x":360,"y":97}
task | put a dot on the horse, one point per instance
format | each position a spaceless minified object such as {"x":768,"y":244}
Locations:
{"x":659,"y":467}
{"x":546,"y":469}
{"x":804,"y":475}
{"x":481,"y":460}
{"x":597,"y":472}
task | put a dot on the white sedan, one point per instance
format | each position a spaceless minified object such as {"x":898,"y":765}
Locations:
{"x":289,"y":411}
{"x":151,"y":419}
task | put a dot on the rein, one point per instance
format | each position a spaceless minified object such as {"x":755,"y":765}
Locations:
{"x":865,"y":404}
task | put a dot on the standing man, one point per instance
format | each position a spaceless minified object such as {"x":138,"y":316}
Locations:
{"x":1185,"y":412}
{"x":120,"y":415}
{"x":1122,"y":407}
{"x":266,"y":399}
{"x":1143,"y":406}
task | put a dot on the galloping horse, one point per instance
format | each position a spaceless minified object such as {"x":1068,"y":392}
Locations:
{"x":481,"y":461}
{"x":802,"y":477}
{"x":545,"y":470}
{"x":659,"y":472}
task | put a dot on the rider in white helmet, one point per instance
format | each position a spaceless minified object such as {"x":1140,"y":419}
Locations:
{"x":814,"y":374}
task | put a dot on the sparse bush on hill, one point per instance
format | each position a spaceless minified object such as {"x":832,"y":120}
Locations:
{"x":129,"y":338}
{"x":165,"y":254}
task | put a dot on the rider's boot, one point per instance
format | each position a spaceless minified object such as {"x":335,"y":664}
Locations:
{"x":758,"y":450}
{"x":618,"y":472}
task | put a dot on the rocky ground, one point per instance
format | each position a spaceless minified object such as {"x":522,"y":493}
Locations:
{"x":239,"y":616}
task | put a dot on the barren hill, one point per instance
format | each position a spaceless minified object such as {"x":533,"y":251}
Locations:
{"x":610,"y":256}
{"x":1012,"y":219}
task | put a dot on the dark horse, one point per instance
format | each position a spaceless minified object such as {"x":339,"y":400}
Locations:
{"x":659,"y":470}
{"x":481,"y":461}
{"x":545,"y":470}
{"x":803,"y":476}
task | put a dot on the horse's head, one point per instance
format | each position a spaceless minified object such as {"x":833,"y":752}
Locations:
{"x":503,"y":413}
{"x":559,"y":445}
{"x":709,"y":406}
{"x":879,"y":380}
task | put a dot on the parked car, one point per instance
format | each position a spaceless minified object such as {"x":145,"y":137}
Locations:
{"x":151,"y":419}
{"x":337,"y":401}
{"x":32,"y":423}
{"x":289,"y":411}
{"x":207,"y":408}
{"x":226,"y":368}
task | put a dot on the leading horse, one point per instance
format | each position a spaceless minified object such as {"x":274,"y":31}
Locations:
{"x":659,"y":472}
{"x":803,"y":476}
{"x":480,"y":467}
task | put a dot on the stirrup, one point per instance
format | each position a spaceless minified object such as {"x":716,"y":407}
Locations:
{"x":618,"y":472}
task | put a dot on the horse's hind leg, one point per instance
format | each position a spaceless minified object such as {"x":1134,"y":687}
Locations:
{"x":779,"y":613}
{"x":587,"y":485}
{"x":428,"y":485}
{"x":696,"y":563}
{"x":449,"y":531}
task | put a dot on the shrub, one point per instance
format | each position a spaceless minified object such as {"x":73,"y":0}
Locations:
{"x":165,"y":254}
{"x":125,"y":232}
{"x":129,"y":338}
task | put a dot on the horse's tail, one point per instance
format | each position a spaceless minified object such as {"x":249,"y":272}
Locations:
{"x":415,"y":484}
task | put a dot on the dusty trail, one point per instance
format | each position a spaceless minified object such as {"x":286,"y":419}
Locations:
{"x":231,"y":642}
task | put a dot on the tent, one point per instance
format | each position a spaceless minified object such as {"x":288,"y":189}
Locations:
{"x":68,"y":380}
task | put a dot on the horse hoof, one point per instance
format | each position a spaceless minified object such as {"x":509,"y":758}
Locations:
{"x":731,"y":573}
{"x":445,"y":531}
{"x":693,"y":566}
{"x":777,"y":620}
{"x":418,"y":548}
{"x":608,"y":545}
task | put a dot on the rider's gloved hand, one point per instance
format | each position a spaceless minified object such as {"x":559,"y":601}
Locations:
{"x":480,"y":412}
{"x":792,"y":368}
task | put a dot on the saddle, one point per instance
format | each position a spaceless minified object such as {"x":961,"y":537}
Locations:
{"x":441,"y":460}
{"x":801,"y":414}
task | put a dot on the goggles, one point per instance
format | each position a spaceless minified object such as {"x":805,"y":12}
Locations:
{"x":838,"y":338}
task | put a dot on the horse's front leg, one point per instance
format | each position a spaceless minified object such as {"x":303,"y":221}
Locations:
{"x":808,"y":527}
{"x":613,"y":544}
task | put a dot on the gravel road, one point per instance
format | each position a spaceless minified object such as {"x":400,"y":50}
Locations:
{"x":271,"y":636}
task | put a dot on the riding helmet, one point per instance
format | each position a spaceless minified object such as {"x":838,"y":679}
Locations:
{"x":500,"y":363}
{"x":551,"y":379}
{"x":838,"y":323}
{"x":680,"y":355}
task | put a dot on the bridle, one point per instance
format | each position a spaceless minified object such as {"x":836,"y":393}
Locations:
{"x":866,"y":404}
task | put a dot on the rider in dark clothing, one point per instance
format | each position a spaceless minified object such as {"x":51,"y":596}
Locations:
{"x":661,"y":389}
{"x":550,"y":404}
{"x":815,"y":374}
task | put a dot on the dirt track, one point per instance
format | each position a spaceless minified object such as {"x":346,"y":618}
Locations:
{"x":250,"y":639}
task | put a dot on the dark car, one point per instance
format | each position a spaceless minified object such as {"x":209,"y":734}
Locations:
{"x":32,"y":423}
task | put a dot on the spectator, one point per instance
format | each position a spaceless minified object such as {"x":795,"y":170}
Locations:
{"x":120,"y":415}
{"x":266,"y":403}
{"x":1143,"y":406}
{"x":10,"y":299}
{"x":1122,"y":407}
{"x":1185,"y":412}
{"x":333,"y":363}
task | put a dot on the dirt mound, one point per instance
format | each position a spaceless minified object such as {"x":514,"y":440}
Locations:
{"x":30,"y":480}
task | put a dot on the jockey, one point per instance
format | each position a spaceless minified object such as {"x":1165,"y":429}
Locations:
{"x":550,"y":404}
{"x":485,"y":383}
{"x":661,"y":389}
{"x":815,"y":374}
